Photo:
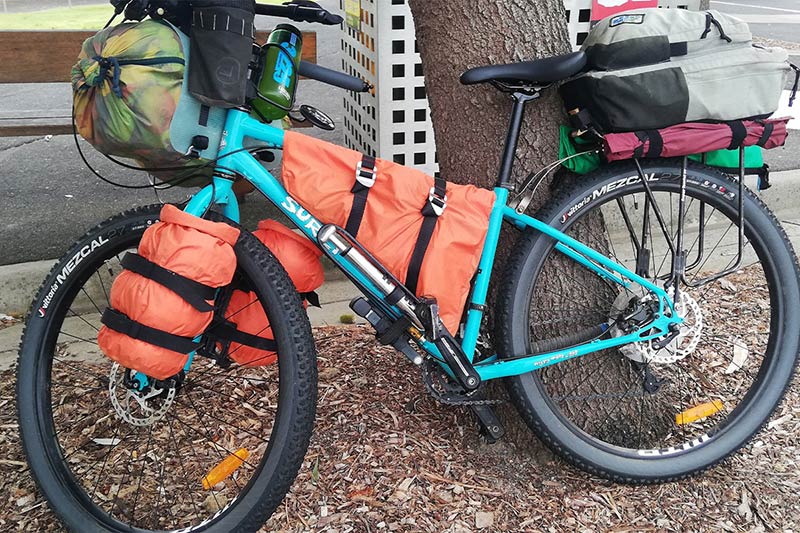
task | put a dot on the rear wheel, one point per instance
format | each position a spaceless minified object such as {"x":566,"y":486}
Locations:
{"x":637,"y":413}
{"x":108,"y":465}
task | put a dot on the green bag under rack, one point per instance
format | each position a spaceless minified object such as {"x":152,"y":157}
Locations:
{"x":728,"y":161}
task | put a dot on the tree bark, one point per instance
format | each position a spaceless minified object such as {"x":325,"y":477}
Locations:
{"x":470,"y":122}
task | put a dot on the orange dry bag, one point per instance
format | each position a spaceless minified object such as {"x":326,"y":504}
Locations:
{"x":425,"y":231}
{"x":300,"y":258}
{"x":164,"y":298}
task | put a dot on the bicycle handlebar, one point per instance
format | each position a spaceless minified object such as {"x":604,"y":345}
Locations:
{"x":332,"y":77}
{"x":300,"y":11}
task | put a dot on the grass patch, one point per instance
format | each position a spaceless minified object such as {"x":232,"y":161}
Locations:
{"x":62,"y":18}
{"x":68,"y":18}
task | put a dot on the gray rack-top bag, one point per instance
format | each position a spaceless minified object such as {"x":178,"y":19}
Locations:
{"x":652,"y":68}
{"x":648,"y":36}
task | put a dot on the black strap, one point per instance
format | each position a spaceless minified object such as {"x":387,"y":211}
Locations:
{"x":228,"y":332}
{"x":793,"y":91}
{"x":365,"y":177}
{"x":656,"y":143}
{"x":763,"y":178}
{"x":119,"y":322}
{"x":394,"y":331}
{"x":638,"y":152}
{"x":678,"y":49}
{"x":431,"y":211}
{"x":738,"y":134}
{"x":766,"y":134}
{"x":312,"y":298}
{"x":654,"y":140}
{"x":711,"y":20}
{"x":204,"y":112}
{"x":195,"y":293}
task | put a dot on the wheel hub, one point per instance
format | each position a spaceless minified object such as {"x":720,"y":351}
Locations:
{"x":684,"y":343}
{"x":139,"y":407}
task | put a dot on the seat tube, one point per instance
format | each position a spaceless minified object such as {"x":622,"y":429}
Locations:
{"x":512,"y":137}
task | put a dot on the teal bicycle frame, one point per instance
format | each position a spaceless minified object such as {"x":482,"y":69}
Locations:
{"x":233,"y":158}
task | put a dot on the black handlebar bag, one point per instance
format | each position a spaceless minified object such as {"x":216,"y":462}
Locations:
{"x":222,"y":38}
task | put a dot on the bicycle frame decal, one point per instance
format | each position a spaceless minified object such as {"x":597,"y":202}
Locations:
{"x":234,"y":158}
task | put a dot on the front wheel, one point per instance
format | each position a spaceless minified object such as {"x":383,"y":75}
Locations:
{"x":643,"y":413}
{"x":216,"y":454}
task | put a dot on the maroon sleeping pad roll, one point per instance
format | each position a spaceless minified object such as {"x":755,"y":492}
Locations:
{"x":695,"y":138}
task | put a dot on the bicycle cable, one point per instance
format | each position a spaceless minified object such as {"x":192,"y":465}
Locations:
{"x":183,"y":176}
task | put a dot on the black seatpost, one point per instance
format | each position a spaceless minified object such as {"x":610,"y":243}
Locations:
{"x":512,"y":137}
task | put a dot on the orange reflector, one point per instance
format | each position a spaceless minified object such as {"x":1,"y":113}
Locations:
{"x":227,"y":467}
{"x":697,"y":412}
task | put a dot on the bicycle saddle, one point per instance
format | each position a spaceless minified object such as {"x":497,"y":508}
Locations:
{"x":542,"y":71}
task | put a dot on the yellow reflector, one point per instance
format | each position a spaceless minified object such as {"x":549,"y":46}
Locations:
{"x":697,"y":412}
{"x":227,"y":467}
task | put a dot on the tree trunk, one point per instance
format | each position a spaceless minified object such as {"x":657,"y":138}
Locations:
{"x":470,"y":122}
{"x":470,"y":126}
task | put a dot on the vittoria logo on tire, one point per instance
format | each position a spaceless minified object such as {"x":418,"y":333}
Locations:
{"x":62,"y":276}
{"x":602,"y":191}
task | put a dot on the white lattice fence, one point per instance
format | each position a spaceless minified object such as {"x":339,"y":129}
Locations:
{"x":394,"y":122}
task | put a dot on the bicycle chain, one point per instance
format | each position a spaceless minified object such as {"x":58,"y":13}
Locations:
{"x":454,"y":397}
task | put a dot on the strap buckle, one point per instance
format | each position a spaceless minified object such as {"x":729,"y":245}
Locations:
{"x":437,"y":203}
{"x":365,"y":175}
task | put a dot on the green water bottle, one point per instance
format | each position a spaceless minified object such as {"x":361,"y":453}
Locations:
{"x":279,"y":60}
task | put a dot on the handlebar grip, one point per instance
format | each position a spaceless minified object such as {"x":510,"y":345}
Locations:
{"x":300,"y":12}
{"x":332,"y":77}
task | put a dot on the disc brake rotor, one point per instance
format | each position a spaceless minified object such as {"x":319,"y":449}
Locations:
{"x":682,"y":345}
{"x":138,"y":408}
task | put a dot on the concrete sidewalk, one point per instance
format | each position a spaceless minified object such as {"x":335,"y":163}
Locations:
{"x":335,"y":295}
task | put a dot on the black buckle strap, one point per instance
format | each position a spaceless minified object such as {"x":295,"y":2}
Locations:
{"x":120,"y":323}
{"x":431,"y":211}
{"x":195,"y":293}
{"x":227,"y":331}
{"x":365,"y":179}
{"x":793,"y":91}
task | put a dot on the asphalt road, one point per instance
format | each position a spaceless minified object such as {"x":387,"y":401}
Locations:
{"x":774,"y":19}
{"x":48,"y":198}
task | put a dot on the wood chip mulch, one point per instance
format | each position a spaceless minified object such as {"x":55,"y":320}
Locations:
{"x":387,"y":457}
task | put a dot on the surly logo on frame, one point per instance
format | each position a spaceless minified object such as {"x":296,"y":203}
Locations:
{"x":309,"y":222}
{"x":62,"y":276}
{"x":602,"y":191}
